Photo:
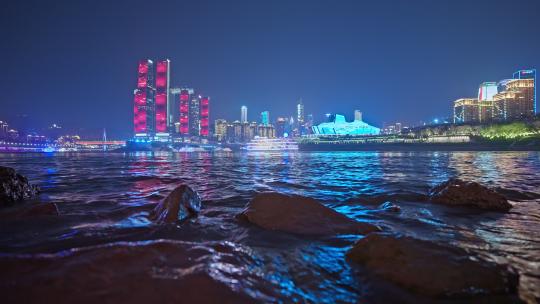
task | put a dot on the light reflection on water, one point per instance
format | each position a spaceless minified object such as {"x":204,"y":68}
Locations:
{"x":106,"y":197}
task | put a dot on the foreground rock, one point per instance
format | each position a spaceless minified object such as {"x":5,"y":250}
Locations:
{"x":301,"y":215}
{"x":14,"y":187}
{"x":431,"y":269}
{"x":126,"y":272}
{"x":181,"y":203}
{"x":456,"y":192}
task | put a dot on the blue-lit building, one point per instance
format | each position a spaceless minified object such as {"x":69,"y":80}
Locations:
{"x":339,"y":126}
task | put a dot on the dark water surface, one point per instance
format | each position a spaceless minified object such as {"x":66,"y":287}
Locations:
{"x":103,"y":200}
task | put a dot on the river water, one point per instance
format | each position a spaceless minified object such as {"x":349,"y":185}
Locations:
{"x":102,"y":241}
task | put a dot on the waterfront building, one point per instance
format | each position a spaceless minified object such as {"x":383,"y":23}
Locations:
{"x":339,"y":126}
{"x":281,"y":123}
{"x":266,"y":131}
{"x":357,"y":115}
{"x":220,"y":129}
{"x":515,"y":102}
{"x":265,"y":118}
{"x":162,"y":105}
{"x":486,"y":91}
{"x":4,"y":128}
{"x":300,"y":113}
{"x":194,"y":115}
{"x":237,"y":131}
{"x":174,"y":114}
{"x":205,"y":115}
{"x":144,"y":107}
{"x":243,"y":114}
{"x":184,"y":111}
{"x":529,"y":74}
{"x":466,"y":110}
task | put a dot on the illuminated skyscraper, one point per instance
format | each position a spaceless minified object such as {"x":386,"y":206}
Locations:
{"x":516,"y":101}
{"x":300,"y":112}
{"x":529,"y":74}
{"x":243,"y":114}
{"x":220,"y":129}
{"x":163,"y":111}
{"x":281,"y":123}
{"x":194,"y":115}
{"x":184,"y":111}
{"x":144,"y":106}
{"x":205,"y":113}
{"x":486,"y":91}
{"x":466,"y":110}
{"x":265,"y":118}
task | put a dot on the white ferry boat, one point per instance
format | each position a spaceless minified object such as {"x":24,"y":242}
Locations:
{"x":259,"y":144}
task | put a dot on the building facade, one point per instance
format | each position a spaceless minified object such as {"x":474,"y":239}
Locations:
{"x":162,"y":110}
{"x":194,"y":115}
{"x":243,"y":114}
{"x":265,"y":118}
{"x":339,"y":126}
{"x":466,"y":110}
{"x":144,"y":103}
{"x":515,"y":102}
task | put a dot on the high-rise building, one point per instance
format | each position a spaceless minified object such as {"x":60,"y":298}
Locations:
{"x":265,"y":118}
{"x":486,"y":91}
{"x":300,"y":112}
{"x":243,"y":114}
{"x":220,"y":129}
{"x":516,"y":101}
{"x":174,"y":101}
{"x":529,"y":74}
{"x":466,"y":110}
{"x":205,"y":113}
{"x":194,"y":115}
{"x":281,"y":123}
{"x":357,"y":115}
{"x":184,"y":111}
{"x":144,"y":106}
{"x":163,"y":111}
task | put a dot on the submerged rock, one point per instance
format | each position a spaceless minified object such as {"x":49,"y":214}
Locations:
{"x":456,"y":192}
{"x":14,"y":187}
{"x":301,"y":215}
{"x":389,"y":206}
{"x":432,"y":269}
{"x":126,"y":272}
{"x":181,"y":203}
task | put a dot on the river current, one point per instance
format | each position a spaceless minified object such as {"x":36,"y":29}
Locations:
{"x":104,"y":199}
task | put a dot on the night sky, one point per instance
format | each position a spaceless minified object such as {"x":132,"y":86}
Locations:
{"x":74,"y":62}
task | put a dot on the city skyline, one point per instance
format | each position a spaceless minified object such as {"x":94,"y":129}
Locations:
{"x":396,"y":64}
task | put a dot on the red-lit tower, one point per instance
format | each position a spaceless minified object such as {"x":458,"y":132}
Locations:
{"x":184,"y":112}
{"x":143,"y":107}
{"x":204,"y":116}
{"x":162,"y":96}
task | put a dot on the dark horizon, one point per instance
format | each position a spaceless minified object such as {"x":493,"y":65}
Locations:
{"x":75,"y":63}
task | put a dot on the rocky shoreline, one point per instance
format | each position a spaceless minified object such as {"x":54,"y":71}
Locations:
{"x":433,"y":270}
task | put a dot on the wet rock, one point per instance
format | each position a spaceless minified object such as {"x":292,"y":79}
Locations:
{"x":456,"y":192}
{"x":39,"y":209}
{"x":432,"y":269}
{"x":301,"y":215}
{"x":389,"y":206}
{"x":14,"y":187}
{"x":126,"y":272}
{"x":180,"y":204}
